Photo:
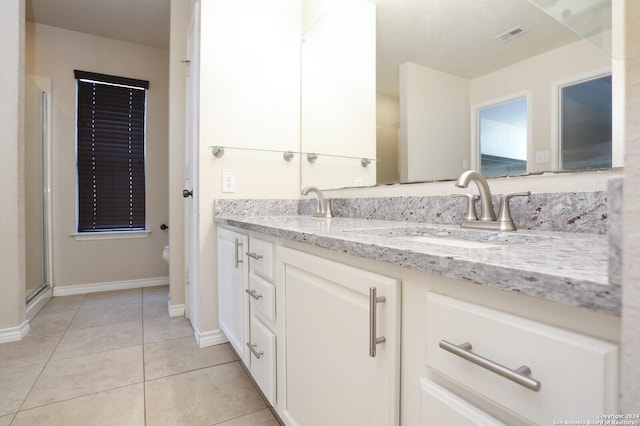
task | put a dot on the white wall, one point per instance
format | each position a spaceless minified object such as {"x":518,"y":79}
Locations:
{"x":12,"y":256}
{"x":55,"y":53}
{"x":249,"y":98}
{"x":434,"y":124}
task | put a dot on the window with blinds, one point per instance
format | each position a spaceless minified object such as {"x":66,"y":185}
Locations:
{"x":110,"y":152}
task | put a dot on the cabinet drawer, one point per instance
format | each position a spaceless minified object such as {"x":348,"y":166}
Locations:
{"x":262,"y":296}
{"x":263,"y":358}
{"x":260,"y":255}
{"x":577,"y":374}
{"x":438,"y":406}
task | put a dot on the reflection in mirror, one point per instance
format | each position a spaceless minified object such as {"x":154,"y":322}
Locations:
{"x":503,"y":134}
{"x":590,"y":19}
{"x":436,"y":63}
{"x":586,"y":124}
{"x":338,"y":93}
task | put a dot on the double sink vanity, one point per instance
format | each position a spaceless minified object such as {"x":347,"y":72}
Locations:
{"x":369,"y":321}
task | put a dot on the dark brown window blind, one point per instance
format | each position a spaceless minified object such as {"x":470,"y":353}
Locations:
{"x":110,"y":152}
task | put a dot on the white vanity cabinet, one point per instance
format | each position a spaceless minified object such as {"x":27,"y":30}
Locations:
{"x":262,"y":317}
{"x":233,"y":305}
{"x":539,"y":372}
{"x":311,"y":323}
{"x":246,"y":304}
{"x":332,"y":320}
{"x":439,"y":406}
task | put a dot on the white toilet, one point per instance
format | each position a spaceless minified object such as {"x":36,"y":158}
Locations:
{"x":165,"y":254}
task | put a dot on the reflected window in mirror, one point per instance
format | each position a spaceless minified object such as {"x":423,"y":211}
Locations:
{"x":503,"y":138}
{"x":585,"y":124}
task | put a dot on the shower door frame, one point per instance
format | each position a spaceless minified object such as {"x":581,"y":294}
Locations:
{"x":38,"y":298}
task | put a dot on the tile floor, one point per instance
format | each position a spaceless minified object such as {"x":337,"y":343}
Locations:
{"x":117,"y":358}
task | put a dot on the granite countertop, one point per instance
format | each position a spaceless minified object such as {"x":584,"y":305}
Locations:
{"x":568,"y":268}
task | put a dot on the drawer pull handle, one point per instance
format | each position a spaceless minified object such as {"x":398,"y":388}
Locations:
{"x":253,"y":293}
{"x":374,"y":341}
{"x":255,"y":256}
{"x":519,"y":375}
{"x":238,"y":260}
{"x":252,"y":347}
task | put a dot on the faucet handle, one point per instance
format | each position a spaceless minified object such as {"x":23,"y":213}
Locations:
{"x":470,"y":213}
{"x":327,"y":209}
{"x":504,"y":214}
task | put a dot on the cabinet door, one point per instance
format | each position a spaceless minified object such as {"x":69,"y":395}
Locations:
{"x":232,"y":282}
{"x":331,"y":379}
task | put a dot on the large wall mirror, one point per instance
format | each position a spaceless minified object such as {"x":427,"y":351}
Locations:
{"x":431,"y":88}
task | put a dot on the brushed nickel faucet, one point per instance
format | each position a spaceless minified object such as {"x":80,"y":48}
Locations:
{"x":487,"y":219}
{"x":323,"y":208}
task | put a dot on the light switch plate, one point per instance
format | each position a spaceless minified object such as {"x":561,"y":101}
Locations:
{"x":542,"y":156}
{"x":228,"y":181}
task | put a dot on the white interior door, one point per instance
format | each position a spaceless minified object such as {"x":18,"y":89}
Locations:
{"x":191,"y":168}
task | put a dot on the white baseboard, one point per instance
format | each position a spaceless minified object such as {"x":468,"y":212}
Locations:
{"x":176,"y":310}
{"x":70,"y":290}
{"x":209,"y":338}
{"x":13,"y":334}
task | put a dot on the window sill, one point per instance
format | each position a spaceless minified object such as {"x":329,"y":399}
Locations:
{"x":110,"y":235}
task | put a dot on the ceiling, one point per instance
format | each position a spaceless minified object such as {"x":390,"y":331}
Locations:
{"x":143,"y":22}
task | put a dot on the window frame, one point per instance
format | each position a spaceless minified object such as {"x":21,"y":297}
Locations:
{"x":115,"y":232}
{"x":559,"y":103}
{"x":556,"y":111}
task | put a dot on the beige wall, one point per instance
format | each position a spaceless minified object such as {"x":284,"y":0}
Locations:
{"x":55,"y":53}
{"x":12,"y":283}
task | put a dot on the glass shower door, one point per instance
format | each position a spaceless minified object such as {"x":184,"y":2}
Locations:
{"x":35,"y":247}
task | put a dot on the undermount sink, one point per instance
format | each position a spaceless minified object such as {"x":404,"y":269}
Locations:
{"x":448,"y":242}
{"x":449,"y":236}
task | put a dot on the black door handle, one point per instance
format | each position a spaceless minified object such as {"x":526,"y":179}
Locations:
{"x":186,"y":193}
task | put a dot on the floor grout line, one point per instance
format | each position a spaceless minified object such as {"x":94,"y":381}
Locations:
{"x":76,"y":397}
{"x":149,"y":301}
{"x":48,"y":359}
{"x":192,"y":370}
{"x":144,"y":372}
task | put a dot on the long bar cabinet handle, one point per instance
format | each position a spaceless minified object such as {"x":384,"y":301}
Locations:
{"x":255,"y":256}
{"x":238,"y":260}
{"x":519,"y":375}
{"x":252,"y":347}
{"x":374,"y":341}
{"x":253,"y":293}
